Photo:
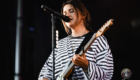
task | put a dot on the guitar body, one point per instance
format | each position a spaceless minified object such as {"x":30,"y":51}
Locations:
{"x":67,"y":71}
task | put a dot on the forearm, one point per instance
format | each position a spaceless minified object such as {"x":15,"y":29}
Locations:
{"x":45,"y":72}
{"x":94,"y":70}
{"x":103,"y":68}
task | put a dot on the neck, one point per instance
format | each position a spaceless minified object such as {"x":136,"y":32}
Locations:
{"x":79,"y":30}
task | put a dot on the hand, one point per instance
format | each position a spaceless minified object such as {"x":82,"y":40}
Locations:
{"x":45,"y":79}
{"x":80,"y":61}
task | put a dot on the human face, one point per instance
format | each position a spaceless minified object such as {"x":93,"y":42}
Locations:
{"x":69,"y":11}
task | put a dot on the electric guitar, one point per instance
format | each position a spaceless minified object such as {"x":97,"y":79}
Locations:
{"x":69,"y":66}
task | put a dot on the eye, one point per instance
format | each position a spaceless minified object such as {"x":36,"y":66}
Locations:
{"x":71,"y":10}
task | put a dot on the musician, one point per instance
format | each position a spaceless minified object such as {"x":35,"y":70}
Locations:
{"x":97,"y":61}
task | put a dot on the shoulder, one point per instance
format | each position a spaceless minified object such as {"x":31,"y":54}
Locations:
{"x":61,"y":43}
{"x":101,"y":38}
{"x":64,"y":39}
{"x":101,"y":42}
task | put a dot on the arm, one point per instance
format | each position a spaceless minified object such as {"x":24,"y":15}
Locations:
{"x":102,"y":68}
{"x":46,"y":71}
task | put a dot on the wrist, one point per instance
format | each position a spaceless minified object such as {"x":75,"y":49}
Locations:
{"x":45,"y":79}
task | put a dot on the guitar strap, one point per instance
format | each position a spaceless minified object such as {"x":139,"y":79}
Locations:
{"x":84,"y":42}
{"x":81,"y":47}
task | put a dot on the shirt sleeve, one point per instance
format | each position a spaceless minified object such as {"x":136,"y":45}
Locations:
{"x":102,"y":68}
{"x":46,"y":71}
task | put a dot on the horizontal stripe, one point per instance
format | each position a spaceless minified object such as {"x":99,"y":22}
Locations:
{"x":99,"y":56}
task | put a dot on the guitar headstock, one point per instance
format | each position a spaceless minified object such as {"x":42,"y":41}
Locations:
{"x":106,"y":26}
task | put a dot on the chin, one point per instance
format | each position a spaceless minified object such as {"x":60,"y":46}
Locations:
{"x":71,"y":26}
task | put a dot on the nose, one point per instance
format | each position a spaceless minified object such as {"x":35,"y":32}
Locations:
{"x":68,"y":14}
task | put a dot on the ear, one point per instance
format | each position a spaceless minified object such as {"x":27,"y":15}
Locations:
{"x":84,"y":14}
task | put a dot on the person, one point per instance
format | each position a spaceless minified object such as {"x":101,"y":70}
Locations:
{"x":97,"y":61}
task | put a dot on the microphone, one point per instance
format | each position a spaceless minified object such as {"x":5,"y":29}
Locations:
{"x":56,"y":14}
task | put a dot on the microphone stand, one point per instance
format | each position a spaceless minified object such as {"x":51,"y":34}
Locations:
{"x":53,"y":42}
{"x":54,"y":15}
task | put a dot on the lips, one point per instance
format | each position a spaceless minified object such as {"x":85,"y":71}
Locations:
{"x":71,"y":19}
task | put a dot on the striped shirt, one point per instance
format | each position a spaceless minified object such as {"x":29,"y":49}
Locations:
{"x":99,"y":56}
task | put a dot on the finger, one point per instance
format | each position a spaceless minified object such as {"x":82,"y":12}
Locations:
{"x":72,"y":60}
{"x":80,"y":56}
{"x":79,"y":59}
{"x":77,"y":55}
{"x":84,"y":55}
{"x":74,"y":57}
{"x":75,"y":63}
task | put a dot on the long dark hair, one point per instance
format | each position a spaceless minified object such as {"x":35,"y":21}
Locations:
{"x":78,"y":5}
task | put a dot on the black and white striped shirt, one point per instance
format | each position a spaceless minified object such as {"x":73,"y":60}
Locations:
{"x":99,"y":56}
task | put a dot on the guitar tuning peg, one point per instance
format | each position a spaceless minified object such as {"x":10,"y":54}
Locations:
{"x":112,"y":19}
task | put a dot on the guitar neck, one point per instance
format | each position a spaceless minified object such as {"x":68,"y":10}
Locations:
{"x":87,"y":46}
